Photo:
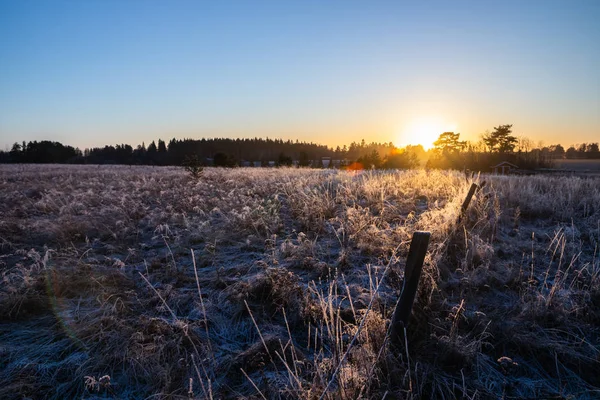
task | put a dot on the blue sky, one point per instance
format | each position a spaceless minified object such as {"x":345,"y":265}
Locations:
{"x":90,"y":73}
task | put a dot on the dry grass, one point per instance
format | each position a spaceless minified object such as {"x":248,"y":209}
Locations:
{"x":291,"y":283}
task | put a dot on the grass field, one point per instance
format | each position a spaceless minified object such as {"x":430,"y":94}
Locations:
{"x":140,"y":282}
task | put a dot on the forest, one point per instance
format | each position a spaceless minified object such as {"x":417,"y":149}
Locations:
{"x":449,"y":152}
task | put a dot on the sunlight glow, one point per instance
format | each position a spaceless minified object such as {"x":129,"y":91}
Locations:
{"x":424,"y":131}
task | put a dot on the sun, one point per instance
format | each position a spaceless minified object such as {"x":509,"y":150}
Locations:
{"x":424,"y":131}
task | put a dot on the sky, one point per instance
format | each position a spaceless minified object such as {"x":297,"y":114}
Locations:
{"x":90,"y":73}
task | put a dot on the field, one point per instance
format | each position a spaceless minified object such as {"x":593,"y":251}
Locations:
{"x":141,"y":282}
{"x":590,"y":166}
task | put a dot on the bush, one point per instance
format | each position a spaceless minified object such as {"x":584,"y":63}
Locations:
{"x":193,"y":166}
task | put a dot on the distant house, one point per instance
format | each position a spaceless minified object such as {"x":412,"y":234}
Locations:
{"x":245,"y":163}
{"x":271,"y":163}
{"x":325,"y":161}
{"x":504,"y":168}
{"x":257,"y":163}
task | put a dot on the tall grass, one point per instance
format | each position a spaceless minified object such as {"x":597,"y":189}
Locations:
{"x":291,"y":280}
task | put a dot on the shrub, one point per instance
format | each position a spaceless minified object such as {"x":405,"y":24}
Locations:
{"x":193,"y":166}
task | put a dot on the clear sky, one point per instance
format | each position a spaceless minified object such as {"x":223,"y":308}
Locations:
{"x":90,"y":73}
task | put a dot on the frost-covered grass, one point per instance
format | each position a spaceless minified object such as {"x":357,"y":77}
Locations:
{"x":279,"y":283}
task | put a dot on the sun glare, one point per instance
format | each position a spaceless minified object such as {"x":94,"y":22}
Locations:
{"x":424,"y":131}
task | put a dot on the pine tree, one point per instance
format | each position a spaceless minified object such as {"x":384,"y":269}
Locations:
{"x":501,"y":140}
{"x":448,"y":143}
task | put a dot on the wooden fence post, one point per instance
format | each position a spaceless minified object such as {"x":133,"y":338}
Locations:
{"x":465,"y":203}
{"x":412,"y":273}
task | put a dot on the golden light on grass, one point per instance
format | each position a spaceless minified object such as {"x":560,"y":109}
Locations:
{"x":251,"y":299}
{"x":424,"y":131}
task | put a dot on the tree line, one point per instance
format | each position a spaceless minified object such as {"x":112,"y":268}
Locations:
{"x":449,"y":152}
{"x":500,"y":145}
{"x":218,"y":151}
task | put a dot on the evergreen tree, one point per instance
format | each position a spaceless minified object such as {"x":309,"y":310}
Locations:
{"x":449,"y":142}
{"x":501,"y":140}
{"x":152,"y":150}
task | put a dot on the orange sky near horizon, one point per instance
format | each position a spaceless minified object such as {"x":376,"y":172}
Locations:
{"x":422,"y":130}
{"x":418,"y":128}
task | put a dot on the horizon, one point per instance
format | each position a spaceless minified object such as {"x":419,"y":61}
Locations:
{"x":479,"y":144}
{"x":102,"y":73}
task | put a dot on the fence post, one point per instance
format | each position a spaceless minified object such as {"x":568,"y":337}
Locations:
{"x":412,"y":273}
{"x":467,"y":201}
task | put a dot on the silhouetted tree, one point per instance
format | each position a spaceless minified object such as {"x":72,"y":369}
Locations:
{"x":284,"y":159}
{"x":4,"y":157}
{"x":447,"y":152}
{"x":448,"y":142}
{"x":223,"y":160}
{"x":372,"y":160}
{"x":571,"y":153}
{"x":152,"y":148}
{"x":15,"y":153}
{"x":501,"y":140}
{"x":403,"y":159}
{"x":220,"y":160}
{"x":593,"y":151}
{"x":304,"y":160}
{"x":193,"y":166}
{"x":44,"y":152}
{"x":558,"y":151}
